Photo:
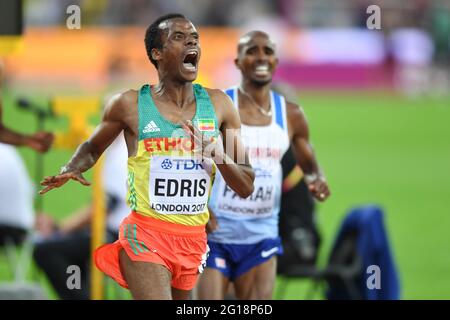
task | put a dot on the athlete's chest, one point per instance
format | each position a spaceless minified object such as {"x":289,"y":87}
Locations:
{"x":265,"y":145}
{"x":176,"y":114}
{"x":253,"y":117}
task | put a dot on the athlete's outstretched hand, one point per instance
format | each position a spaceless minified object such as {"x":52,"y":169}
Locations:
{"x":57,"y":181}
{"x":319,"y":188}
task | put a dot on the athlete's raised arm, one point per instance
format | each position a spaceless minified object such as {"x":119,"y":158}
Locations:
{"x":304,"y":153}
{"x":87,"y":154}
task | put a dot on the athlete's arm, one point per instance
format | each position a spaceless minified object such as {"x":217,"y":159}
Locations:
{"x":233,"y":163}
{"x":304,"y":153}
{"x":90,"y":151}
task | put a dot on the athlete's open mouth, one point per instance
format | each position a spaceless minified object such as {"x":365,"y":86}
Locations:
{"x":190,"y":60}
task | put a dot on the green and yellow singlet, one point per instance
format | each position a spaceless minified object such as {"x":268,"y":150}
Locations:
{"x":166,"y":180}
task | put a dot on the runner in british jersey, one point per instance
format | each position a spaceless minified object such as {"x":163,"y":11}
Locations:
{"x":245,"y":243}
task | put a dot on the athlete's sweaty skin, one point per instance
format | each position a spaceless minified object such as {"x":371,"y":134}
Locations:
{"x":255,"y":49}
{"x":174,"y":99}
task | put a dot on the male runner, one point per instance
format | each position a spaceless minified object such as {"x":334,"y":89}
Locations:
{"x":163,"y":241}
{"x":246,"y":241}
{"x":40,"y":141}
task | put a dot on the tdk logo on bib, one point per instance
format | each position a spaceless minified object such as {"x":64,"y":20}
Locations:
{"x":166,"y":164}
{"x":181,"y":164}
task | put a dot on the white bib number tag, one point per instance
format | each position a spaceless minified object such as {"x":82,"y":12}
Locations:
{"x":178,"y":185}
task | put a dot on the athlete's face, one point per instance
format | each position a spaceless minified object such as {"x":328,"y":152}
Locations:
{"x":181,"y":51}
{"x":256,"y":58}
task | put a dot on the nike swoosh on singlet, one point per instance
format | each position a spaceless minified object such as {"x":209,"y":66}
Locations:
{"x":267,"y":253}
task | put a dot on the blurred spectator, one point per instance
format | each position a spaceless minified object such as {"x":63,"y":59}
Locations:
{"x":40,"y":141}
{"x":412,"y":50}
{"x":46,"y":12}
{"x":16,"y":190}
{"x":16,"y":197}
{"x":439,"y":27}
{"x":440,"y":32}
{"x":68,"y":243}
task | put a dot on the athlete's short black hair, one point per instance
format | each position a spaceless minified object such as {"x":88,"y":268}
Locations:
{"x":153,"y":34}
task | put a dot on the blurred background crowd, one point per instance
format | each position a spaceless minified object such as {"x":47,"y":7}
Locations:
{"x":321,"y":43}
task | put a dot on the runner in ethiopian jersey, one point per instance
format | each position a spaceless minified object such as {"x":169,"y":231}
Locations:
{"x":245,"y":242}
{"x":168,"y":127}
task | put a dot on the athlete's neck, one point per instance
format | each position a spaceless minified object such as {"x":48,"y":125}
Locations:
{"x":180,"y":94}
{"x":259,"y":93}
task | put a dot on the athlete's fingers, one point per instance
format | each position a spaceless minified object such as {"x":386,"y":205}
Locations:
{"x":197,"y":132}
{"x":323,"y":190}
{"x":46,"y":181}
{"x":322,"y":194}
{"x":57,"y":178}
{"x":50,"y":184}
{"x":319,"y":196}
{"x":196,"y":139}
{"x":50,"y":181}
{"x":319,"y":190}
{"x":81,"y":180}
{"x":46,"y":189}
{"x":200,"y":144}
{"x":187,"y":124}
{"x":312,"y":187}
{"x":187,"y":129}
{"x":190,"y":125}
{"x":51,"y":178}
{"x":194,"y":130}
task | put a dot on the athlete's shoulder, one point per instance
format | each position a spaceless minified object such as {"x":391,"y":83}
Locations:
{"x":218,"y":97}
{"x":296,"y":118}
{"x":224,"y":108}
{"x":293,"y":109}
{"x":121,"y":103}
{"x":128,"y":97}
{"x":124,"y":98}
{"x":215,"y":93}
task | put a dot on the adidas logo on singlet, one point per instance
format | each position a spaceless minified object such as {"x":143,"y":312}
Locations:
{"x":151,"y":127}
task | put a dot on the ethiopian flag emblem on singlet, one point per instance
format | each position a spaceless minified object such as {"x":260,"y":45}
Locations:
{"x":206,"y":124}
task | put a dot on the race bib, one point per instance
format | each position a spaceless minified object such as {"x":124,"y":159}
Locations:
{"x":260,"y":204}
{"x":178,"y":185}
